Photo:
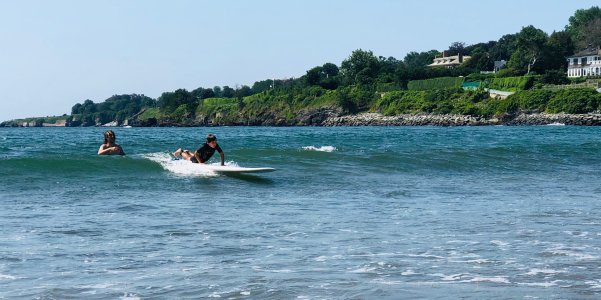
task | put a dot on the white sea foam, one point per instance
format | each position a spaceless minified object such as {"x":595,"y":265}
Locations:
{"x":556,"y":124}
{"x":471,"y":261}
{"x":429,"y":256}
{"x":7,"y":277}
{"x":324,"y":258}
{"x":539,"y":284}
{"x":495,"y":279}
{"x":595,"y":284}
{"x":320,"y":149}
{"x":535,"y":271}
{"x":466,"y":278}
{"x":130,"y":297}
{"x":364,"y":270}
{"x":560,"y":251}
{"x":182,"y":167}
{"x":499,"y":243}
{"x":452,"y":277}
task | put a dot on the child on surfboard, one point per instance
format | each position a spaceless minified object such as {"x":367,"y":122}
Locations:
{"x":110,"y":147}
{"x":204,"y":152}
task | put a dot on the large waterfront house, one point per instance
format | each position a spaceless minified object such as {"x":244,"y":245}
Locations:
{"x":449,"y":61}
{"x":585,"y":63}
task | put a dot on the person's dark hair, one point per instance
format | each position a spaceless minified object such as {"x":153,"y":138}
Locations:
{"x":108,"y":134}
{"x":211,"y":137}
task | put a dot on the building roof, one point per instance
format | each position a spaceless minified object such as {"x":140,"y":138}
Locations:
{"x":449,"y":61}
{"x":587,"y":52}
{"x":500,"y":63}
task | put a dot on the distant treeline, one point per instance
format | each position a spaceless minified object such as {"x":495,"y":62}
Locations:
{"x":365,"y":82}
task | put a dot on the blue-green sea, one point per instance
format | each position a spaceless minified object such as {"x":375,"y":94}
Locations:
{"x":350,"y":213}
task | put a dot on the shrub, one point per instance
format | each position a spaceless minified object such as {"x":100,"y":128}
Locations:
{"x":512,"y":84}
{"x":574,"y":101}
{"x":435,"y":83}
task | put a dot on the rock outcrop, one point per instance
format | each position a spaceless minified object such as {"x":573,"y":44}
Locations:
{"x":376,"y":119}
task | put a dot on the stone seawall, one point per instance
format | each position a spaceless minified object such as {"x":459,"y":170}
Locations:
{"x":376,"y":119}
{"x":566,"y":119}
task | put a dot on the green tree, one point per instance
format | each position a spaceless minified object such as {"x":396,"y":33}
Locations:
{"x":330,"y":69}
{"x":202,"y":93}
{"x":530,"y":44}
{"x":313,"y":76}
{"x":228,"y":92}
{"x":325,"y":76}
{"x":415,"y":60}
{"x":481,"y":58}
{"x":457,"y":48}
{"x":592,"y":34}
{"x":243,"y":91}
{"x":217,"y":91}
{"x":559,"y":46}
{"x":170,"y":101}
{"x":262,"y":85}
{"x":580,"y":23}
{"x":503,"y":49}
{"x":387,"y":71}
{"x":88,"y":107}
{"x":76,"y":109}
{"x":360,"y":68}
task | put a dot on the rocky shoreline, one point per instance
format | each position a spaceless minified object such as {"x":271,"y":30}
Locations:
{"x":332,"y":117}
{"x":376,"y":119}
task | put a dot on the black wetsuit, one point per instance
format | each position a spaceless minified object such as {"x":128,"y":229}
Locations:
{"x":206,"y":152}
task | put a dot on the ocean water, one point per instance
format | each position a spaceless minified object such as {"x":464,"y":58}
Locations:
{"x":350,"y":213}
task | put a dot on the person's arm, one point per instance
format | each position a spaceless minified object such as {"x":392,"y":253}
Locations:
{"x":222,"y":158}
{"x":104,"y":150}
{"x":119,"y":150}
{"x":197,"y":156}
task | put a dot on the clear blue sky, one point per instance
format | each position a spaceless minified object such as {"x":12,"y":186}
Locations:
{"x":54,"y":54}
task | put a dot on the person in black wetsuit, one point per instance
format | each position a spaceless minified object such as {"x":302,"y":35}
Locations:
{"x":204,"y":152}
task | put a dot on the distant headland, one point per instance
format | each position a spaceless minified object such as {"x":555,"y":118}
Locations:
{"x":527,"y":78}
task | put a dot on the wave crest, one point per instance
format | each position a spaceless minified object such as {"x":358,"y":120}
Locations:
{"x":181,"y":166}
{"x":320,"y":149}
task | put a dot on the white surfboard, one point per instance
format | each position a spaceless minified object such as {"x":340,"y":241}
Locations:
{"x":235,"y":169}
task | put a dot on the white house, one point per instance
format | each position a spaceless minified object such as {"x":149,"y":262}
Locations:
{"x":449,"y":61}
{"x":585,"y":63}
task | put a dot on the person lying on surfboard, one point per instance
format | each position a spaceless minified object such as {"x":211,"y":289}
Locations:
{"x":203,"y":153}
{"x":110,"y":147}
